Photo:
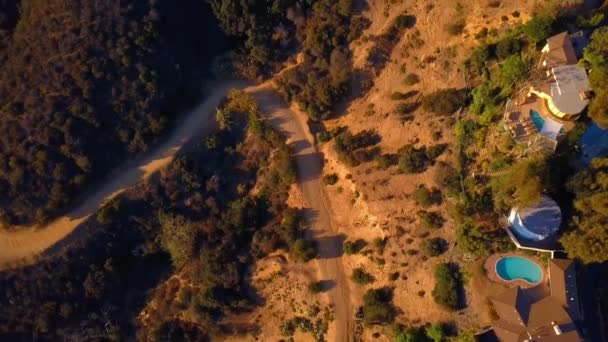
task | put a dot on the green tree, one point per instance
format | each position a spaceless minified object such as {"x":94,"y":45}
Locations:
{"x":588,"y":237}
{"x":538,"y":28}
{"x":447,"y":283}
{"x":177,"y":237}
{"x":513,"y":70}
{"x":521,"y":184}
{"x":411,"y":334}
{"x":378,"y":307}
{"x":596,"y":58}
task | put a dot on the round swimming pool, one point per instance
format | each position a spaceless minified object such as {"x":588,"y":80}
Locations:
{"x":518,"y":268}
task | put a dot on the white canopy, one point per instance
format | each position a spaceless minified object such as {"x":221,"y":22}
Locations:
{"x":551,"y":128}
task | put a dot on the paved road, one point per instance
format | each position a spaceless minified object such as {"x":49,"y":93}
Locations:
{"x":310,"y":165}
{"x":22,"y":246}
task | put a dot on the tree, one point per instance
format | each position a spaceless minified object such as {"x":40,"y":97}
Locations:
{"x":378,"y":307}
{"x":304,"y":250}
{"x":177,"y":237}
{"x":587,"y":238}
{"x":521,"y":184}
{"x":433,"y":247}
{"x":596,"y":57}
{"x":507,"y":47}
{"x":224,"y":118}
{"x":513,"y":70}
{"x":538,"y":28}
{"x":447,"y":283}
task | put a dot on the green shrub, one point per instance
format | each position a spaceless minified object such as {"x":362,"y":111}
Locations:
{"x":378,"y":307}
{"x":361,"y":277}
{"x":384,"y":161}
{"x":423,"y":196}
{"x":447,"y":286}
{"x":330,"y":179}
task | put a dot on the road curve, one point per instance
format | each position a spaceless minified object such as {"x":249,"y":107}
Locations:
{"x":20,"y":247}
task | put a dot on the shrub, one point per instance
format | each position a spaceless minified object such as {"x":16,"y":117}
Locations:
{"x":412,"y":159}
{"x":411,"y":79}
{"x":433,"y":247}
{"x":445,"y":101}
{"x":384,"y":161}
{"x":315,"y":287}
{"x":330,"y":179}
{"x":447,"y":286}
{"x":423,"y":196}
{"x":361,"y":277}
{"x":430,"y":219}
{"x":479,"y":57}
{"x":378,"y":307}
{"x":379,"y":245}
{"x":404,"y":21}
{"x":350,"y":247}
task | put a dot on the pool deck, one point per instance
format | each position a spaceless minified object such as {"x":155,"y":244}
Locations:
{"x":490,"y":269}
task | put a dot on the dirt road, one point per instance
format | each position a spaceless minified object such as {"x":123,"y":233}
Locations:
{"x":310,"y":165}
{"x":22,"y":246}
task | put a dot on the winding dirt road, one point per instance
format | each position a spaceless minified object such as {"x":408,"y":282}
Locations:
{"x":24,"y":245}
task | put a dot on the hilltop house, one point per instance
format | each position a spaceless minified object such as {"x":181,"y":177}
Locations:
{"x":548,"y":108}
{"x":550,"y":317}
{"x":566,"y":94}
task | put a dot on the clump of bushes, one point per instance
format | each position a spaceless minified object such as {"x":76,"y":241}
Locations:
{"x":361,"y":277}
{"x":384,"y":161}
{"x":349,"y":146}
{"x":445,"y":101}
{"x":434,"y":247}
{"x":304,"y":250}
{"x":447,"y":286}
{"x":416,"y":160}
{"x":378,"y":307}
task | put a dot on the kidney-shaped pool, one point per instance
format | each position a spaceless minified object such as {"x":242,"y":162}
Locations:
{"x":517,"y":268}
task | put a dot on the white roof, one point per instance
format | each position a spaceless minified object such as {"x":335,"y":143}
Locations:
{"x":570,"y":82}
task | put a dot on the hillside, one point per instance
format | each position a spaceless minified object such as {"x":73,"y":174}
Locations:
{"x":88,"y":85}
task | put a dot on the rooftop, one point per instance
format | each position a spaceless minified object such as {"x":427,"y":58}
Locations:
{"x":559,"y":51}
{"x":571,"y":82}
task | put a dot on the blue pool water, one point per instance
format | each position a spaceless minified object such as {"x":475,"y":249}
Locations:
{"x":537,"y":119}
{"x":513,"y":268}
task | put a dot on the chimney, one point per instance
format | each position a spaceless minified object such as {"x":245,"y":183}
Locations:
{"x":556,"y":328}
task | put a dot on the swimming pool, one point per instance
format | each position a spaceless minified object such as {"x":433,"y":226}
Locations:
{"x":537,"y":119}
{"x":515,"y":268}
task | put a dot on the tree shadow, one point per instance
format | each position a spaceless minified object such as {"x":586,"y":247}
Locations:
{"x":327,"y":284}
{"x":329,"y":247}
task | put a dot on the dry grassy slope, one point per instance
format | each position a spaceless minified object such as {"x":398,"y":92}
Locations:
{"x":387,"y":205}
